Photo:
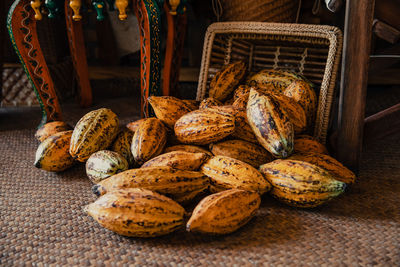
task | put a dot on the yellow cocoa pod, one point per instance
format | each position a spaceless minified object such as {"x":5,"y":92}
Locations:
{"x":224,"y":212}
{"x":53,"y":153}
{"x":294,"y":111}
{"x":149,"y":140}
{"x":210,"y":102}
{"x":204,"y":126}
{"x":229,"y":102}
{"x":271,"y":126}
{"x":51,"y":128}
{"x":274,"y":80}
{"x":122,"y":145}
{"x":247,"y":152}
{"x":168,"y":109}
{"x":340,"y":172}
{"x":180,"y":185}
{"x":242,"y":127}
{"x":137,"y":212}
{"x":306,"y":144}
{"x":188,"y":148}
{"x":179,"y":160}
{"x":301,"y":184}
{"x":192,"y":104}
{"x":227,"y":173}
{"x":302,"y":92}
{"x":134,"y":125}
{"x":94,"y":131}
{"x":103,"y":164}
{"x":242,"y":90}
{"x":225,"y":81}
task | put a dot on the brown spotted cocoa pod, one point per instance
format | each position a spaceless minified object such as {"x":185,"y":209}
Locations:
{"x":340,"y":172}
{"x":179,"y":160}
{"x":250,"y":153}
{"x":227,"y":173}
{"x":225,"y":81}
{"x":224,"y":212}
{"x":210,"y":102}
{"x":301,"y":184}
{"x":271,"y":126}
{"x":305,"y":144}
{"x":94,"y":132}
{"x":53,"y":153}
{"x":51,"y":128}
{"x":149,"y":140}
{"x":180,"y":185}
{"x":168,"y":109}
{"x":204,"y":126}
{"x":137,"y":212}
{"x":134,"y":125}
{"x":188,"y":148}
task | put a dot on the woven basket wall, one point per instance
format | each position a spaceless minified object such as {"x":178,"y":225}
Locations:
{"x":311,"y":50}
{"x":259,"y":10}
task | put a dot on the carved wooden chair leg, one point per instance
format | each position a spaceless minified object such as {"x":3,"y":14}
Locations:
{"x":174,"y":50}
{"x":78,"y":54}
{"x":149,"y":19}
{"x":22,"y":29}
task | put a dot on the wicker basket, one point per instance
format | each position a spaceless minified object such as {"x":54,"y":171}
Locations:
{"x":311,"y":50}
{"x":259,"y":10}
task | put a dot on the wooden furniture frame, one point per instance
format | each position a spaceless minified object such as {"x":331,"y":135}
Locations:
{"x":21,"y":25}
{"x":354,"y":128}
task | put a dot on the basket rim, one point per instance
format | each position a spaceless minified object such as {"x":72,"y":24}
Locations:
{"x":331,"y":33}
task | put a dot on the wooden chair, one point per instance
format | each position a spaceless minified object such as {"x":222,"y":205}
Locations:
{"x":354,"y":128}
{"x":21,"y":24}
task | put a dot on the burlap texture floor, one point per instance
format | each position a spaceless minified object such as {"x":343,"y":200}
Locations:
{"x":42,"y":221}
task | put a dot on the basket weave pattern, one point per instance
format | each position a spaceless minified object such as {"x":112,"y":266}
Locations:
{"x":311,"y":50}
{"x":17,"y":90}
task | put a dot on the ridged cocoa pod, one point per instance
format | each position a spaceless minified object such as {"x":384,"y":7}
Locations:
{"x":103,"y":164}
{"x":275,"y":80}
{"x":149,"y":140}
{"x":225,"y":81}
{"x":210,"y":102}
{"x":227,"y":173}
{"x":179,"y":160}
{"x":50,"y":129}
{"x":271,"y":126}
{"x":229,"y":102}
{"x":301,"y":184}
{"x":241,"y":91}
{"x":122,"y":145}
{"x":53,"y":153}
{"x":247,"y":152}
{"x":134,"y":125}
{"x":95,"y":131}
{"x":180,"y":185}
{"x":191,"y":103}
{"x":137,"y":212}
{"x":204,"y":126}
{"x":168,"y":109}
{"x":302,"y":92}
{"x":340,"y":172}
{"x":294,"y":111}
{"x":188,"y":148}
{"x":305,"y":144}
{"x":242,"y":127}
{"x":224,"y":212}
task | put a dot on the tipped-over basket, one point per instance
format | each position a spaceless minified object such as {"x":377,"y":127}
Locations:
{"x":311,"y":50}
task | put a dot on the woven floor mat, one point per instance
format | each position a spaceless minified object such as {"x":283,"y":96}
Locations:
{"x":42,"y":221}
